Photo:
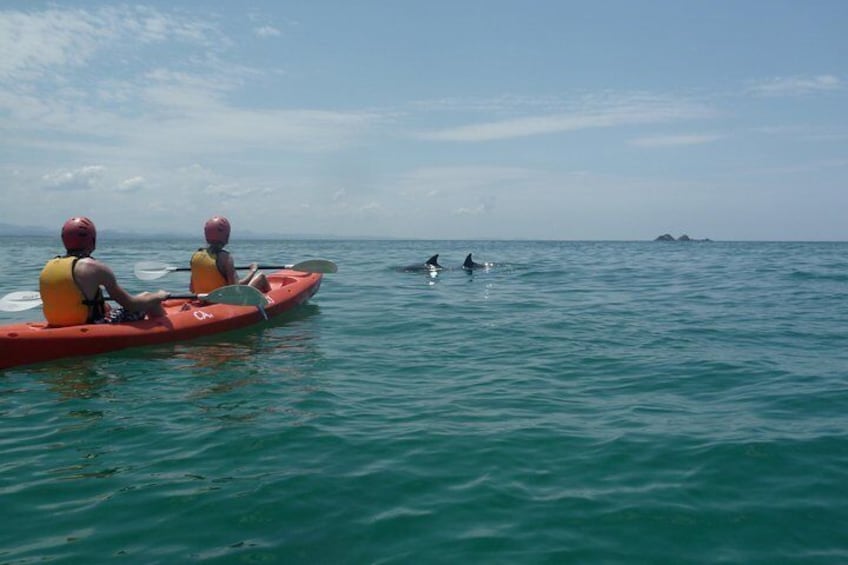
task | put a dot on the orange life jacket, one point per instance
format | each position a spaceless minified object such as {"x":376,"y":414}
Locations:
{"x":64,"y":304}
{"x":205,"y":274}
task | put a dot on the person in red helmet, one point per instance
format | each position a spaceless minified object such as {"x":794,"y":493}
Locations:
{"x":71,"y":285}
{"x":213,"y":266}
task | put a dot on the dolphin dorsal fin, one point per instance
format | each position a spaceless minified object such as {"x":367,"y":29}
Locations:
{"x":468,"y":261}
{"x":434,"y":260}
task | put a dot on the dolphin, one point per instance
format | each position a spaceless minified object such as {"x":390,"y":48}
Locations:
{"x":431,"y":265}
{"x":470,"y":265}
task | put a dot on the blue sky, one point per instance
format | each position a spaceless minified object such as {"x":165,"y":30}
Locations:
{"x":610,"y":120}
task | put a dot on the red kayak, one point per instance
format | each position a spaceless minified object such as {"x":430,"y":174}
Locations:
{"x":34,"y":342}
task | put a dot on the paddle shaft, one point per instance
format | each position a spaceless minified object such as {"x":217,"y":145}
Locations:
{"x":151,"y":270}
{"x":189,"y":295}
{"x":235,"y":295}
{"x":242,"y":268}
{"x":17,"y":305}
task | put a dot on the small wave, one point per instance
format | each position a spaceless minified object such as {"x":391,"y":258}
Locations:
{"x":812,"y":276}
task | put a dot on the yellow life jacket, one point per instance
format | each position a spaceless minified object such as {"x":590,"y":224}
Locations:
{"x":64,"y":304}
{"x":205,"y":274}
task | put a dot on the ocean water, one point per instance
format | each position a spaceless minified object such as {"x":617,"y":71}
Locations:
{"x":578,"y":402}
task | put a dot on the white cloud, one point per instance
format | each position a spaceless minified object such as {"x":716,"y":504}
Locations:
{"x":154,"y":109}
{"x":150,"y":110}
{"x":54,"y":41}
{"x":629,"y":111}
{"x":84,"y":178}
{"x":480,"y":209}
{"x":33,"y":43}
{"x":476,"y":211}
{"x":131,"y":184}
{"x":371,"y":208}
{"x":498,"y":104}
{"x":674,"y":140}
{"x":805,"y":132}
{"x":486,"y":202}
{"x":267,"y":31}
{"x":153,"y":26}
{"x":804,"y":168}
{"x":795,"y":86}
{"x":222,"y":129}
{"x":179,"y":113}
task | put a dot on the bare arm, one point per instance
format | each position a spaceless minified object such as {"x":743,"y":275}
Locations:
{"x":92,"y":274}
{"x":228,"y":267}
{"x":250,"y":274}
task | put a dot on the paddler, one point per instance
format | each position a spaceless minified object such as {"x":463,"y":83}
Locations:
{"x":213,"y":266}
{"x":71,"y":285}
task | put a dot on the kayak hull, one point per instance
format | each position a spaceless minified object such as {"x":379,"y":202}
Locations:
{"x":33,"y":342}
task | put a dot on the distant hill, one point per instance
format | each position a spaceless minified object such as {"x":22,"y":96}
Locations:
{"x":10,"y":229}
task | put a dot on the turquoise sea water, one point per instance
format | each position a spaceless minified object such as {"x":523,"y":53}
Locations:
{"x":580,"y":402}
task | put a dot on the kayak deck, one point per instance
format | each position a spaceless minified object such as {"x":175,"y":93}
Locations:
{"x":34,"y":342}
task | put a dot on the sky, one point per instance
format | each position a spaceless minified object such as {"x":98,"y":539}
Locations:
{"x":471,"y":119}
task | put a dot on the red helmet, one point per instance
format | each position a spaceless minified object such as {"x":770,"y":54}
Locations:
{"x":217,"y":230}
{"x":79,"y":234}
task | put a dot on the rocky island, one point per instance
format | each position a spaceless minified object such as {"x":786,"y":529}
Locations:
{"x":684,"y":237}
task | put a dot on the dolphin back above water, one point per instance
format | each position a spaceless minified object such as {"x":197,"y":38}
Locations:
{"x":470,"y":265}
{"x":433,"y":267}
{"x":430,"y":265}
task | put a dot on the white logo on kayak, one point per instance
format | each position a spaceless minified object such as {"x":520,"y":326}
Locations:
{"x":201,"y":315}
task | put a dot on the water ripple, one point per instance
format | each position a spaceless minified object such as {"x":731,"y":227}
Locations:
{"x":577,"y":402}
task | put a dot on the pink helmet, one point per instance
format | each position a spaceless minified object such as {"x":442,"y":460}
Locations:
{"x":79,"y":234}
{"x":217,"y":230}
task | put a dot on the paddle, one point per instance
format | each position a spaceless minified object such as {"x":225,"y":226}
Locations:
{"x":234,"y":295}
{"x":151,"y":270}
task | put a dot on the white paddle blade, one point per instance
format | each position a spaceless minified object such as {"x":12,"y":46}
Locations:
{"x":151,"y":270}
{"x":236,"y":295}
{"x":20,"y":301}
{"x":315,"y":266}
